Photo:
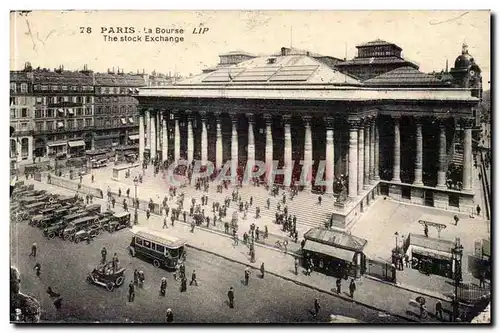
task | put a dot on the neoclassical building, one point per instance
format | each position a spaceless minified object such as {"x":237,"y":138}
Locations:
{"x":404,"y":133}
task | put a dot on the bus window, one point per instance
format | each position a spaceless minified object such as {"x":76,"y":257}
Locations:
{"x":174,"y":252}
{"x":138,"y":241}
{"x":160,"y":248}
{"x":147,"y":244}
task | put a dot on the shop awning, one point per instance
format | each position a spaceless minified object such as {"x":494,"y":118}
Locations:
{"x":60,"y":124}
{"x":431,"y":253}
{"x":70,"y":111}
{"x":329,"y":250}
{"x":78,"y":143}
{"x":134,"y":137}
{"x":124,"y":122}
{"x":53,"y":144}
{"x":130,"y":90}
{"x":131,"y":120}
{"x":60,"y":110}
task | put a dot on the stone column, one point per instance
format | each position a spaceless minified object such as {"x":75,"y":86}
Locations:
{"x":366,"y":168}
{"x":419,"y":153}
{"x":371,"y":175}
{"x":190,"y":139}
{"x":204,"y":138}
{"x":329,"y":155}
{"x":158,"y":130}
{"x":251,"y":142}
{"x":308,"y":152}
{"x":353,"y":157}
{"x":441,"y":179}
{"x":164,"y":135}
{"x":288,"y":150}
{"x":467,"y":167}
{"x":234,"y":146}
{"x":141,"y":137}
{"x":269,"y":147}
{"x":376,"y":175}
{"x":361,"y":156}
{"x":396,"y":168}
{"x":148,"y":130}
{"x":218,"y":143}
{"x":177,"y":139}
{"x":153,"y":134}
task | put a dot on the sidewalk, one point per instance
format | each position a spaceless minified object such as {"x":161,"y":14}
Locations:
{"x":371,"y":293}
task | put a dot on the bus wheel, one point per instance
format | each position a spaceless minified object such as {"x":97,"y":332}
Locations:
{"x":110,"y":286}
{"x":77,"y":240}
{"x":156,"y":263}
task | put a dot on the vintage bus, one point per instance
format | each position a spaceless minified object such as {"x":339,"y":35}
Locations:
{"x":158,"y":247}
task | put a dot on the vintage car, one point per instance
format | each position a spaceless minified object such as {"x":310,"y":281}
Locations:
{"x":118,"y":221}
{"x":86,"y":234}
{"x":54,"y":229}
{"x":104,"y":275}
{"x":77,"y":225}
{"x":93,"y":209}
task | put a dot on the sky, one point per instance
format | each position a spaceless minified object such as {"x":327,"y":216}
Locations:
{"x":53,"y":38}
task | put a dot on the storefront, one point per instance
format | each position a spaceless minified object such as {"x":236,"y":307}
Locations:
{"x":57,"y":149}
{"x":431,"y":255}
{"x":76,"y":148}
{"x":335,"y":252}
{"x":127,"y":153}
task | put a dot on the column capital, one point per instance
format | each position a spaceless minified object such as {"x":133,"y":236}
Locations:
{"x":329,"y":122}
{"x":467,"y":122}
{"x":203,"y":115}
{"x":354,"y":123}
{"x":307,"y":120}
{"x":418,"y":120}
{"x":286,"y":118}
{"x":440,"y":121}
{"x":233,"y":116}
{"x":396,"y":118}
{"x":250,"y":117}
{"x":268,"y":118}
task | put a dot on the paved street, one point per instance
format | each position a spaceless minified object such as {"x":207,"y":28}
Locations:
{"x":65,"y":266}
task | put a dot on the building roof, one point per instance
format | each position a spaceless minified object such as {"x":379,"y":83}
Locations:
{"x":119,"y":80}
{"x":377,"y":42}
{"x":19,"y":76}
{"x":273,"y":70}
{"x":336,"y":238}
{"x":404,"y":76}
{"x":375,"y":61}
{"x":236,"y":52}
{"x":62,"y":77}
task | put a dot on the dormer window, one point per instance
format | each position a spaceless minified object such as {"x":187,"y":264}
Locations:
{"x":271,"y":60}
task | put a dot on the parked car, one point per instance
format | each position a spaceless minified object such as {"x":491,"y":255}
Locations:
{"x":104,"y":275}
{"x":118,"y":221}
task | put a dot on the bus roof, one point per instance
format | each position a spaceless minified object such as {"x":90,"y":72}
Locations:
{"x":160,"y":238}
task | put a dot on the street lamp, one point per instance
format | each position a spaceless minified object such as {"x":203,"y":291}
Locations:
{"x":136,"y":182}
{"x":396,"y":234}
{"x":456,"y":253}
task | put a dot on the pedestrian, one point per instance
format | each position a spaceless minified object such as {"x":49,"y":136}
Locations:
{"x":317,"y":307}
{"x":268,"y":202}
{"x":165,"y":226}
{"x":235,"y":237}
{"x":183,"y":284}
{"x":33,"y":250}
{"x":257,"y":234}
{"x":131,"y":291}
{"x":262,"y":270}
{"x":104,"y":252}
{"x":247,"y":275}
{"x":482,"y":278}
{"x":319,"y":199}
{"x":339,"y":285}
{"x":141,"y":278}
{"x":456,"y":219}
{"x":478,"y":210}
{"x":113,"y":201}
{"x":439,"y":310}
{"x":119,"y":192}
{"x":296,"y":264}
{"x":170,"y":316}
{"x":148,"y":214}
{"x":128,"y":193}
{"x":193,"y":279}
{"x":407,"y":260}
{"x":136,"y":276}
{"x":163,"y":286}
{"x":192,"y":225}
{"x":352,"y":288}
{"x":426,"y":230}
{"x":230,"y":296}
{"x":115,"y":262}
{"x":37,"y":269}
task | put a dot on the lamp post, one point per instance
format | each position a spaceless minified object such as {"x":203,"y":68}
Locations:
{"x":136,"y":182}
{"x":456,"y":253}
{"x":396,"y":234}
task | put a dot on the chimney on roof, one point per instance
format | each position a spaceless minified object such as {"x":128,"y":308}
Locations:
{"x":27,"y":66}
{"x":284,"y":51}
{"x":307,"y":53}
{"x":143,"y":71}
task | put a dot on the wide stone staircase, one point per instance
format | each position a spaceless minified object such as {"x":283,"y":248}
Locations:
{"x":305,"y":205}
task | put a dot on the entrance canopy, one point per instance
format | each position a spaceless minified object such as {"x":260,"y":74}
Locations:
{"x":329,"y":250}
{"x":78,"y":143}
{"x":54,"y":144}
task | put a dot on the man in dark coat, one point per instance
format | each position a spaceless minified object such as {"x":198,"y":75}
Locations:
{"x":262,"y":270}
{"x":163,"y":286}
{"x":316,"y":307}
{"x":230,"y":296}
{"x":131,"y":291}
{"x":183,"y":284}
{"x":193,"y":279}
{"x":247,"y":275}
{"x":104,"y":252}
{"x":33,"y":250}
{"x":352,"y":288}
{"x":339,"y":285}
{"x":170,"y":316}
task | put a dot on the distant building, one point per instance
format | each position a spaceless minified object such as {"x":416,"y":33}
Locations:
{"x":375,"y":58}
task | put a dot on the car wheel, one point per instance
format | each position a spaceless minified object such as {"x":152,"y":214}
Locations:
{"x":110,"y":286}
{"x":89,"y":279}
{"x":77,"y":240}
{"x":119,"y":281}
{"x":156,"y":263}
{"x":51,"y":235}
{"x":66,"y":237}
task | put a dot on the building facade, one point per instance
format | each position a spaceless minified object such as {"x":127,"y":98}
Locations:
{"x":300,"y":111}
{"x":22,"y":105}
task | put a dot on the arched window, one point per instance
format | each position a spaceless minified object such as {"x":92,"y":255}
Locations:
{"x":13,"y":148}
